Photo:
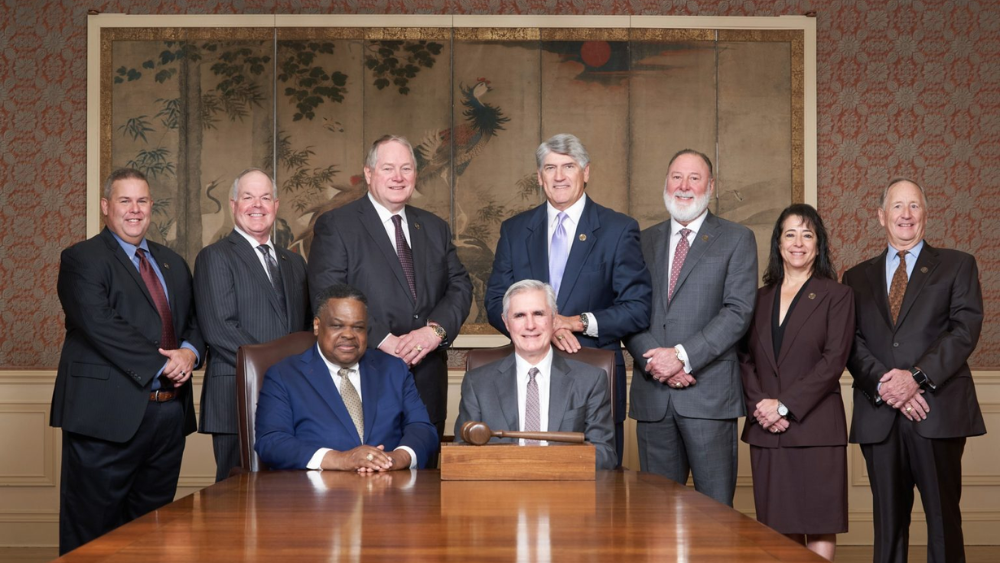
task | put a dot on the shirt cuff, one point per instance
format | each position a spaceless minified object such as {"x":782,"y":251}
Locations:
{"x":316,"y":462}
{"x":683,"y":357}
{"x":413,"y":455}
{"x":591,"y":325}
{"x":878,"y":394}
{"x":197,"y":357}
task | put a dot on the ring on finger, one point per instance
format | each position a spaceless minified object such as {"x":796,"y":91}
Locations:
{"x":908,"y":409}
{"x":418,"y":348}
{"x":369,"y":457}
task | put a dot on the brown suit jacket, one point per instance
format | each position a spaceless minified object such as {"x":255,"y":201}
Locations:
{"x":806,"y":374}
{"x":938,"y":328}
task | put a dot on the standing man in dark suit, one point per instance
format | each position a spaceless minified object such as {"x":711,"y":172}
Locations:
{"x":919,"y":315}
{"x":590,"y":256}
{"x":123,"y":392}
{"x":247,"y":291}
{"x":686,"y":387}
{"x":535,"y":389}
{"x":418,"y":290}
{"x":339,"y":407}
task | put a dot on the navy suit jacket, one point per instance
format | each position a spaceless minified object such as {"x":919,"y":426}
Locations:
{"x":605,"y":273}
{"x":300,"y":410}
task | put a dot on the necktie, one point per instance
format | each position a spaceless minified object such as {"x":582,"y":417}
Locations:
{"x":405,"y":256}
{"x":167,"y":339}
{"x":680,"y":253}
{"x":352,"y":401}
{"x":532,"y":411}
{"x":272,"y":269}
{"x":558,"y":253}
{"x":898,"y":287}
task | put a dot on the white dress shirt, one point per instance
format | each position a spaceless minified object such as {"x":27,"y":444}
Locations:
{"x":542,"y":379}
{"x":675,"y":237}
{"x":354,"y":375}
{"x":385,"y":216}
{"x":571,"y":223}
{"x":260,"y":255}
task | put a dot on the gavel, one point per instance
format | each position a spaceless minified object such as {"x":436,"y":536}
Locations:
{"x":478,"y":434}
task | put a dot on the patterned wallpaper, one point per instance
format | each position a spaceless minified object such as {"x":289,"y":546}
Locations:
{"x":904,"y":88}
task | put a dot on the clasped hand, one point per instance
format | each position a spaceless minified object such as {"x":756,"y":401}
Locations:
{"x":767,"y":416}
{"x":902,"y":393}
{"x":412,"y":346}
{"x":366,"y":459}
{"x":665,"y":367}
{"x":180,"y":362}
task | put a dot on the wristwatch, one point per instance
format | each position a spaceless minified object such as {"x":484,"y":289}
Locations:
{"x":439,"y":331}
{"x":585,"y":319}
{"x":918,"y":376}
{"x":782,"y":409}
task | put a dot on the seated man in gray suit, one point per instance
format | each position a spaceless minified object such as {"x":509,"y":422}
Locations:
{"x":534,"y":389}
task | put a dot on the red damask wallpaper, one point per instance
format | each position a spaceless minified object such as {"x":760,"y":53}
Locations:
{"x":904,"y":88}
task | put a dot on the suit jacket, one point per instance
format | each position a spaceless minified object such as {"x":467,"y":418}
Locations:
{"x":300,"y":410}
{"x":806,"y":374}
{"x":237,"y":305}
{"x":938,"y":328}
{"x":579,"y":401}
{"x":605,"y":274}
{"x":351,"y":246}
{"x":113,"y":330}
{"x":711,"y":310}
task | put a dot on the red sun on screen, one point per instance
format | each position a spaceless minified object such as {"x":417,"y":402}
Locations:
{"x":595,"y":53}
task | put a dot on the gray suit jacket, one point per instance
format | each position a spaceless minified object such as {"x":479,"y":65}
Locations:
{"x":711,"y":310}
{"x":351,"y":246}
{"x":237,"y":305}
{"x":579,"y":401}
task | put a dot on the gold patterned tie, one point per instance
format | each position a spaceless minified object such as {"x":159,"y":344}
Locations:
{"x":352,"y":401}
{"x":898,"y":287}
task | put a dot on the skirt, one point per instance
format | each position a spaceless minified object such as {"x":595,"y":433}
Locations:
{"x":801,"y":490}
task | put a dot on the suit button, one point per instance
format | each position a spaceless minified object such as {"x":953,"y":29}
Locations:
{"x":416,"y":316}
{"x":895,"y":344}
{"x":157,"y":342}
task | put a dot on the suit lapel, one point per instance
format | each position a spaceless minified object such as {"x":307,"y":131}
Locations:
{"x":765,"y":305}
{"x":370,"y":220}
{"x":927,"y":262}
{"x":318,"y":375}
{"x":247,"y":254}
{"x":418,"y":246}
{"x":537,"y":244}
{"x":658,"y":269}
{"x":167,"y":267}
{"x":705,"y":238}
{"x":796,"y":319}
{"x":560,"y":384}
{"x":285,"y":267}
{"x":580,"y":248}
{"x":371,"y":389}
{"x":876,"y":282}
{"x":505,"y":384}
{"x":119,"y":253}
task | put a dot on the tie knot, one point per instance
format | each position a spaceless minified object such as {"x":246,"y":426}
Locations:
{"x":685,"y":232}
{"x":532,"y":374}
{"x":343,"y":372}
{"x":141,"y":253}
{"x":397,"y":220}
{"x":265,"y":249}
{"x":902,"y":254}
{"x":560,"y":217}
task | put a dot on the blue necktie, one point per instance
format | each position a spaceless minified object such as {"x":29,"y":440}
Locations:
{"x":558,"y":253}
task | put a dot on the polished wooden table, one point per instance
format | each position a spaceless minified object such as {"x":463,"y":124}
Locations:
{"x":413,"y":516}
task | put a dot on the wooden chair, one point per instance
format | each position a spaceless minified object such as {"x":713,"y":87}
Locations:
{"x":252,"y":362}
{"x":603,"y":359}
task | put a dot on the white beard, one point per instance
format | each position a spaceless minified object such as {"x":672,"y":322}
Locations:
{"x":690,"y":212}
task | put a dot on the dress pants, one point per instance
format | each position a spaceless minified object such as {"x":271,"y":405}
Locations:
{"x":895,"y":465}
{"x":106,"y":484}
{"x":677,"y":446}
{"x":226,"y":448}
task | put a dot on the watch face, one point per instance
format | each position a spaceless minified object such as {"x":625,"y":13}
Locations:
{"x":783,"y":410}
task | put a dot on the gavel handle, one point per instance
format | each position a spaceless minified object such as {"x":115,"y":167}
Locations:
{"x":572,"y":437}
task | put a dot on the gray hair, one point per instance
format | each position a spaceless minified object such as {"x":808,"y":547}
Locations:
{"x":372,"y":159}
{"x":235,"y":191}
{"x":566,"y":144}
{"x":896,"y":180}
{"x":529,"y":285}
{"x":122,"y":174}
{"x":703,"y":156}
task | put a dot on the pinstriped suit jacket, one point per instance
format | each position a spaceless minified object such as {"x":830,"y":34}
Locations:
{"x":236,"y":306}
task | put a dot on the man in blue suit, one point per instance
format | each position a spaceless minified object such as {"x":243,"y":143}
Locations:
{"x":339,"y":406}
{"x":589,"y":254}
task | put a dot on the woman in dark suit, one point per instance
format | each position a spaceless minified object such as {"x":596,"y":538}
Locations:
{"x":792,"y":359}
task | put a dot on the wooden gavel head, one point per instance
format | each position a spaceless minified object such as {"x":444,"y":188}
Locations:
{"x":476,"y":433}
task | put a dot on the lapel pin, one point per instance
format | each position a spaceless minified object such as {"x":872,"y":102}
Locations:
{"x":812,"y":296}
{"x":704,"y":238}
{"x":166,"y":265}
{"x":283,"y":257}
{"x":923,"y":270}
{"x":583,"y":237}
{"x":416,"y":226}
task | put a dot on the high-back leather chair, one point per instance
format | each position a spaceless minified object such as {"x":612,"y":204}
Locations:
{"x":603,"y":359}
{"x":252,"y":362}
